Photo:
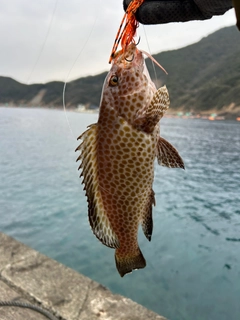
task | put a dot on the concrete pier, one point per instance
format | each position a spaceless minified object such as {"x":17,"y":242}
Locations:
{"x":28,"y":276}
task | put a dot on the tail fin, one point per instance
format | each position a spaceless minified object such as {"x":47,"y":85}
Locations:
{"x":128,"y":263}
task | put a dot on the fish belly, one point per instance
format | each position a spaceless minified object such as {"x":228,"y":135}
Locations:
{"x":125,"y":169}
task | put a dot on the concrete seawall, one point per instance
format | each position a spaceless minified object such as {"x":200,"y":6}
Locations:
{"x":28,"y":276}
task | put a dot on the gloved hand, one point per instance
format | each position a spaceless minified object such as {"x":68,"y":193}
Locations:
{"x":164,"y":11}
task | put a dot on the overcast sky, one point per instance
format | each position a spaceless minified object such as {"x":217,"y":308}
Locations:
{"x":45,"y":40}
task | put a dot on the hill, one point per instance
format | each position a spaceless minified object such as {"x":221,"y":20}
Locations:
{"x":81,"y":91}
{"x":203,"y":76}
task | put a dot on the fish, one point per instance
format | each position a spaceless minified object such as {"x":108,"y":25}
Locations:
{"x":117,"y":157}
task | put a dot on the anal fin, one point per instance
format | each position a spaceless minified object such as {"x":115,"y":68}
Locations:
{"x":147,"y":222}
{"x":168,"y":155}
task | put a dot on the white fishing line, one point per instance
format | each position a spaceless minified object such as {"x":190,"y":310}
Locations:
{"x":44,"y":42}
{"x":68,"y":75}
{"x":149,"y":50}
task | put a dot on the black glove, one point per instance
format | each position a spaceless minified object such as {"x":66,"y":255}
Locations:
{"x":164,"y":11}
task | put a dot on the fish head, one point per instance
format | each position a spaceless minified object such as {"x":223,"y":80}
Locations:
{"x":128,"y":86}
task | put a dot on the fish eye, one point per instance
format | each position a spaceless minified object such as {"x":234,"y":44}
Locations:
{"x":113,"y":80}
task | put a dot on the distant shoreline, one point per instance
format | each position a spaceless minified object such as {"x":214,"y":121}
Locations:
{"x":211,"y":115}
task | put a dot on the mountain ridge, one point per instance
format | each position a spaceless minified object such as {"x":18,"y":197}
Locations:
{"x":202,"y":77}
{"x":210,"y":65}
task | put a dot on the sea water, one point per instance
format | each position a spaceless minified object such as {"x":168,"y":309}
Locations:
{"x":193,"y":260}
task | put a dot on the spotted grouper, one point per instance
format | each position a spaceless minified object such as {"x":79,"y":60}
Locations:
{"x":117,"y":158}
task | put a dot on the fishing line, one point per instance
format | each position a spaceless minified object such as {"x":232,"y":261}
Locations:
{"x":66,"y":80}
{"x":149,"y":50}
{"x":44,"y":42}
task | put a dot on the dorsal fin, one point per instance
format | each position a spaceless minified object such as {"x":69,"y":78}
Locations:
{"x":98,"y":219}
{"x":168,"y":155}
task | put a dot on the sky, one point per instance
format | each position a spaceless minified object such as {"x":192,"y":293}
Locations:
{"x":47,"y":40}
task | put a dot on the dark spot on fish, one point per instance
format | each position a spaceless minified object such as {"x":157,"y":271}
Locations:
{"x":110,"y":135}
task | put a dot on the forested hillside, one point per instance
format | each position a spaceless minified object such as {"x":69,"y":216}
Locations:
{"x":203,"y":76}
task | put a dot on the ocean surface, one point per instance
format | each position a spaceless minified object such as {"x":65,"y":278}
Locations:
{"x":193,"y":260}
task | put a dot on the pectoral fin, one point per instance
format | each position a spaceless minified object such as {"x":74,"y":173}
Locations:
{"x":98,"y":219}
{"x":147,"y":118}
{"x":167,"y":155}
{"x":147,"y":223}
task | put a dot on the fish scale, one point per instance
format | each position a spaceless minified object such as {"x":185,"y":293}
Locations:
{"x":117,"y":158}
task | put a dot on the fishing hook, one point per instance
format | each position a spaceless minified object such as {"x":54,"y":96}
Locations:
{"x":130,"y":60}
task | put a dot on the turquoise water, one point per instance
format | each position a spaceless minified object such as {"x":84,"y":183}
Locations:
{"x":193,"y":260}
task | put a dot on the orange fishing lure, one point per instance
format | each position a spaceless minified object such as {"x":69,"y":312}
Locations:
{"x":127,"y":29}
